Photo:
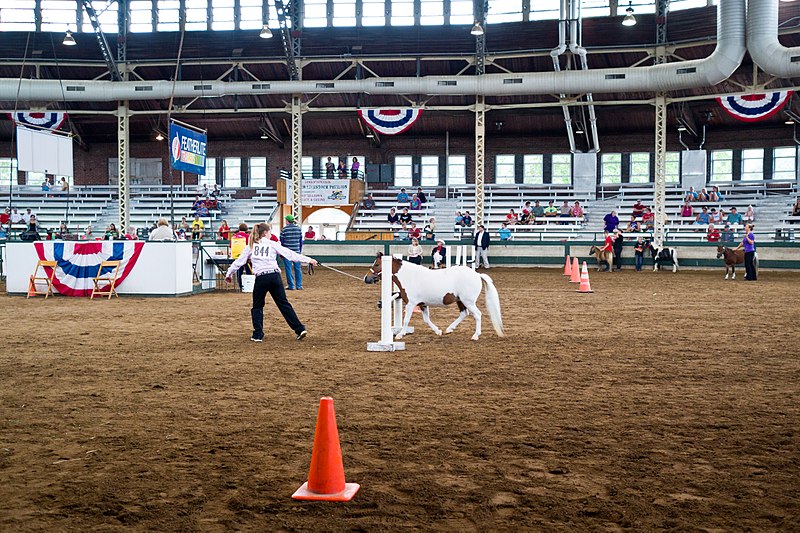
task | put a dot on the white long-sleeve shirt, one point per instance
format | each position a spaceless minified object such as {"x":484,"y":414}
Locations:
{"x":264,"y":257}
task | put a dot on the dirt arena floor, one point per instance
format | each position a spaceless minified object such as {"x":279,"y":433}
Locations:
{"x":661,"y":401}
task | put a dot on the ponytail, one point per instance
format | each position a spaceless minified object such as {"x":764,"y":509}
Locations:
{"x":255,"y":234}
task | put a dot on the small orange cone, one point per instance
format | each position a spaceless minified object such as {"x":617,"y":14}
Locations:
{"x":326,"y":475}
{"x":567,"y":268}
{"x":585,"y":287}
{"x":575,"y":273}
{"x":31,"y":287}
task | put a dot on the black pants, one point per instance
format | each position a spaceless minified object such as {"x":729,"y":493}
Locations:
{"x":416,"y":260}
{"x":749,"y":266}
{"x":618,"y":260}
{"x":273,"y":284}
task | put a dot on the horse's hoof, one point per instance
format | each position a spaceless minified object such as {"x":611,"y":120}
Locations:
{"x":438,"y":332}
{"x":448,"y":331}
{"x":475,"y":337}
{"x":399,"y":335}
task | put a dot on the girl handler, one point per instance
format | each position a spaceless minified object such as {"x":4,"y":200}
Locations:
{"x":263,"y":254}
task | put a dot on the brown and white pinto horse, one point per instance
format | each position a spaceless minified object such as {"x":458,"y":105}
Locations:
{"x":603,"y":256}
{"x":426,"y":288}
{"x":732,"y":258}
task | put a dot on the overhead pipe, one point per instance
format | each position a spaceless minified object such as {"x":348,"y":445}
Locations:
{"x":762,"y":41}
{"x":723,"y":62}
{"x":555,"y":53}
{"x":578,"y":50}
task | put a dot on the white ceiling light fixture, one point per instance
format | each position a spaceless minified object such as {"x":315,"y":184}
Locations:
{"x":477,"y":29}
{"x":69,"y":40}
{"x":159,"y":136}
{"x":266,"y":33}
{"x":629,"y":19}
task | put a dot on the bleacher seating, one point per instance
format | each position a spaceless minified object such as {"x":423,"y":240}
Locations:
{"x":375,"y":220}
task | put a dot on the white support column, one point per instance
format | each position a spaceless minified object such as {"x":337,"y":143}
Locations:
{"x":297,"y":158}
{"x":123,"y":121}
{"x":480,"y":152}
{"x":659,"y":190}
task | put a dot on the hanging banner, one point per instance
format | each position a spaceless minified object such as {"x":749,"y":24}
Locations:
{"x":326,"y":192}
{"x":79,"y":262}
{"x":44,"y":151}
{"x":49,"y":120}
{"x":187,"y":149}
{"x":754,"y":107}
{"x":390,"y":121}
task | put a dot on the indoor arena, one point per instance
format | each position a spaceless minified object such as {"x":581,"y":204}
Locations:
{"x":389,"y":265}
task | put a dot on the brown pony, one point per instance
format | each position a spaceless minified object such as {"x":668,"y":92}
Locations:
{"x":602,"y":256}
{"x":732,"y":258}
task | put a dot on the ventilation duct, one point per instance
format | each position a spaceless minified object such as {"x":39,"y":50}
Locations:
{"x":762,"y":41}
{"x":665,"y":77}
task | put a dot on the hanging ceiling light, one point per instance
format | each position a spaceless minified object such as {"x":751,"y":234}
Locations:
{"x":629,"y":19}
{"x":159,"y":135}
{"x":370,"y":135}
{"x":266,"y":33}
{"x":69,"y":40}
{"x":477,"y":29}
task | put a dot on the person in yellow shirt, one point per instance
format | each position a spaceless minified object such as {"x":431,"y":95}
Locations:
{"x":197,"y":228}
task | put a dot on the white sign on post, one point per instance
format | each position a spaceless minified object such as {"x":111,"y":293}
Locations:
{"x":44,"y":151}
{"x":326,"y":192}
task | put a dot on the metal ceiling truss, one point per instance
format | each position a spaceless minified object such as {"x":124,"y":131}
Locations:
{"x":288,"y":12}
{"x":101,"y":40}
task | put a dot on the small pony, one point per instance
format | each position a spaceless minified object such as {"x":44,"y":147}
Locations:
{"x":732,"y":258}
{"x":424,"y":287}
{"x":602,"y":256}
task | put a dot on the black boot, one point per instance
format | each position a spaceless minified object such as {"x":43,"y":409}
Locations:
{"x":258,"y":324}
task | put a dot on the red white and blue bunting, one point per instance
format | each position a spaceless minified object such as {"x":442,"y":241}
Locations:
{"x":50,"y":120}
{"x":78,"y":262}
{"x":390,"y":121}
{"x":754,"y":107}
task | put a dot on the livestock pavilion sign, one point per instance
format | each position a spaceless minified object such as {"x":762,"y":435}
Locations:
{"x":187,"y":148}
{"x":326,"y":192}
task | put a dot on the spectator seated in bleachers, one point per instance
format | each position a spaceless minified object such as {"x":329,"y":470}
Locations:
{"x":691,"y":195}
{"x":162,"y":232}
{"x":415,"y":251}
{"x":550,"y":211}
{"x":459,"y":220}
{"x":749,"y":215}
{"x":727,"y":234}
{"x":648,"y":219}
{"x":734,"y":217}
{"x":687,"y":210}
{"x":5,"y":218}
{"x":197,"y":228}
{"x":713,"y":234}
{"x":526,"y":213}
{"x":30,"y":234}
{"x":310,"y":234}
{"x":405,"y":218}
{"x":538,"y":211}
{"x":87,"y":234}
{"x":577,"y":210}
{"x":702,"y":219}
{"x":715,"y":195}
{"x":16,"y":218}
{"x":430,"y":230}
{"x":795,"y":209}
{"x":416,"y":204}
{"x":202,"y":191}
{"x":197,"y":204}
{"x":715,"y":217}
{"x":130,"y":235}
{"x":369,"y":203}
{"x":64,"y":185}
{"x":467,"y":220}
{"x":414,"y":232}
{"x":702,"y":196}
{"x":511,"y":218}
{"x":566,"y":210}
{"x":27,"y":215}
{"x":611,"y":221}
{"x":633,"y":225}
{"x":215,"y":192}
{"x":111,"y":233}
{"x":63,"y":232}
{"x":638,"y":209}
{"x":46,"y":185}
{"x":402,"y":197}
{"x":392,"y":218}
{"x":421,"y":195}
{"x":504,"y":232}
{"x":439,"y":254}
{"x":224,"y":230}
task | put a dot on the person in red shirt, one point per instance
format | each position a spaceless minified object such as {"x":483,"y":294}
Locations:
{"x":648,"y":219}
{"x":638,"y":208}
{"x":224,"y":231}
{"x":414,"y":231}
{"x":310,"y":235}
{"x":5,"y":217}
{"x":713,"y":234}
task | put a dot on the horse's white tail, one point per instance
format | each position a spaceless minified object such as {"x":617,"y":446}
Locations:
{"x":493,"y":305}
{"x":675,"y":257}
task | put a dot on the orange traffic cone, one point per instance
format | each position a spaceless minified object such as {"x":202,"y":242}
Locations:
{"x":31,"y":287}
{"x":585,"y":287}
{"x":326,"y":475}
{"x":575,"y":273}
{"x":567,"y":268}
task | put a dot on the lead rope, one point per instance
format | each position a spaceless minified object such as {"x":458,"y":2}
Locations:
{"x":340,"y":272}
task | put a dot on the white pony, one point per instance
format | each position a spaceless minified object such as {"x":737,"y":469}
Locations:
{"x":458,"y":285}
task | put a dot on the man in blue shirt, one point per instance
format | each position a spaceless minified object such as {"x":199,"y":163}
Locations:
{"x":734,"y":217}
{"x":292,"y":238}
{"x":402,"y":197}
{"x":612,"y":221}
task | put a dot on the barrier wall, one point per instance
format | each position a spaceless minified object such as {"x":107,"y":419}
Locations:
{"x":163,"y":269}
